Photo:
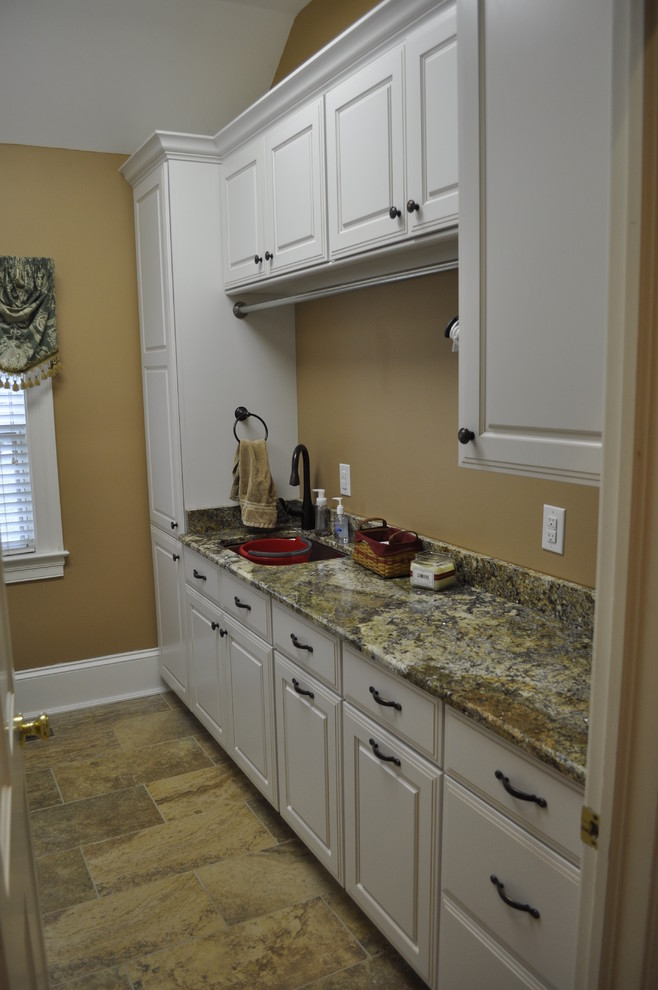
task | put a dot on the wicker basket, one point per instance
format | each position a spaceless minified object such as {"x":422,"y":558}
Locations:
{"x":384,"y":549}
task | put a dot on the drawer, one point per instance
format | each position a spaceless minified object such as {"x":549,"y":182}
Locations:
{"x":471,"y":960}
{"x":487,"y":764}
{"x":479,"y":843}
{"x":394,"y":703}
{"x":309,"y":646}
{"x":202,"y":574}
{"x":246,"y":604}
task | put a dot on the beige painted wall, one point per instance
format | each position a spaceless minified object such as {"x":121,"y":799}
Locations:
{"x":377,"y":388}
{"x":76,"y":208}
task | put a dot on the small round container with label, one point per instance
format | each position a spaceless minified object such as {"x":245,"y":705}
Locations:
{"x":433,"y":570}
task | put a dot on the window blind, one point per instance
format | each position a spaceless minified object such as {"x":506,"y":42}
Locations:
{"x":16,"y":510}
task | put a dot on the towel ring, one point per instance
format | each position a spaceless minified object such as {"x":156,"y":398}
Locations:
{"x":240,"y":414}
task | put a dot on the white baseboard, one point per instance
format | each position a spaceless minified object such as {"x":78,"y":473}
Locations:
{"x":65,"y":686}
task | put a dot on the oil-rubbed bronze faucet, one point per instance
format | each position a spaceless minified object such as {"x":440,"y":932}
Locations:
{"x":308,"y":512}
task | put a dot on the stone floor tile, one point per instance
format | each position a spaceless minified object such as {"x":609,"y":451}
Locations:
{"x":282,"y":950}
{"x":107,"y":979}
{"x":63,"y":880}
{"x":117,"y":770}
{"x":133,"y":733}
{"x":42,"y":789}
{"x":99,"y":935}
{"x":201,"y":790}
{"x":385,"y":972}
{"x":271,"y":819}
{"x":257,"y":883}
{"x":175,"y":847}
{"x":65,"y":826}
{"x":356,"y":921}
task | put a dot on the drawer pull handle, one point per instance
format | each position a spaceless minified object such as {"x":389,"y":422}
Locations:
{"x":500,"y":887}
{"x":295,"y":684}
{"x":380,"y":756}
{"x":298,"y":645}
{"x":199,"y":576}
{"x":386,"y":704}
{"x":499,"y":775}
{"x":239,"y":604}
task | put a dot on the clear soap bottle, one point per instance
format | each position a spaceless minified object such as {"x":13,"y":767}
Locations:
{"x":320,"y":512}
{"x":341,"y":525}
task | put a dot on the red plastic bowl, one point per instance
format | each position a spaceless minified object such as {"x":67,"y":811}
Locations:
{"x":277,"y":550}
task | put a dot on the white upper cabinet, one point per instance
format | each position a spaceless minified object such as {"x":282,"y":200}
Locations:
{"x":392,"y":142}
{"x":273,"y":192}
{"x":431,"y":109}
{"x":535,"y":84}
{"x":365,"y":156}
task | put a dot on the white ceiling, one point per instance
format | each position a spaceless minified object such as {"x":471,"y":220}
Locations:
{"x":102,"y":75}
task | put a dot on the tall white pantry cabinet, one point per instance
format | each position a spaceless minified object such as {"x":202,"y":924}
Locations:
{"x":190,"y":347}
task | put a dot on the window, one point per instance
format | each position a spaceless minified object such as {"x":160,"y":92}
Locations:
{"x":30,"y":519}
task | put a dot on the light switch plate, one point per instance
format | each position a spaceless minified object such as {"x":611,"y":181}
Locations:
{"x":552,"y":532}
{"x":345,"y":481}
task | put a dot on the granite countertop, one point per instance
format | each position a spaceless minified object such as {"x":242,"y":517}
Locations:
{"x":510,"y":648}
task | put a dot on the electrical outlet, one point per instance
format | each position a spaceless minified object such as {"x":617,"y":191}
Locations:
{"x":345,"y":483}
{"x":552,"y":533}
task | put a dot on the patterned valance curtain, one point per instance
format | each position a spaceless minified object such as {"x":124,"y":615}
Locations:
{"x":28,"y":328}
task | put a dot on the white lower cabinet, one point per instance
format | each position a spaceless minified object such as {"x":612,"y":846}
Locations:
{"x":509,"y":907}
{"x":208,"y":678}
{"x":392,"y":805}
{"x":308,"y":750}
{"x":168,"y":577}
{"x":249,"y":668}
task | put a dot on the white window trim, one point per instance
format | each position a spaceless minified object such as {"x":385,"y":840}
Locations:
{"x":48,"y":559}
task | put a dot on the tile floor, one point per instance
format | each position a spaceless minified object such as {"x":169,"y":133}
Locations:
{"x":160,"y":866}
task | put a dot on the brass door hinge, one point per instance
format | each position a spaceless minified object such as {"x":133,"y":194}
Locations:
{"x":589,"y":827}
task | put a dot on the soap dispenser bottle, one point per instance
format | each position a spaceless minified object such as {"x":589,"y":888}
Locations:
{"x":341,"y":525}
{"x":320,"y":512}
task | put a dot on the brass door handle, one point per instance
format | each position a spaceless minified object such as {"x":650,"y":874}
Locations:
{"x":40,"y":727}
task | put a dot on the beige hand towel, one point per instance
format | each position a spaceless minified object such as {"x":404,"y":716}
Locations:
{"x":253,"y":486}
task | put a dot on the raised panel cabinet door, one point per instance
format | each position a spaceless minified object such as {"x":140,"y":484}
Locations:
{"x":431,"y":110}
{"x":250,"y":672}
{"x":167,"y":564}
{"x":469,"y":959}
{"x":205,"y":632}
{"x":294,"y":199}
{"x":158,"y":351}
{"x":391,"y":847}
{"x":365,"y":156}
{"x":308,"y":741}
{"x":243,"y":218}
{"x":534,"y":174}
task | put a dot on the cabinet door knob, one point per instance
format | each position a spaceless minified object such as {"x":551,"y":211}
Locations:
{"x":223,"y":632}
{"x":214,"y":625}
{"x":500,"y":887}
{"x":175,"y":556}
{"x":412,"y":206}
{"x":394,"y":213}
{"x":269,"y":256}
{"x":174,"y":525}
{"x":257,"y":259}
{"x":465,"y":435}
{"x":499,"y":775}
{"x":380,"y":756}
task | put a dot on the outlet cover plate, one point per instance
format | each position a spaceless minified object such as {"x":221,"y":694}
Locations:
{"x":552,"y":531}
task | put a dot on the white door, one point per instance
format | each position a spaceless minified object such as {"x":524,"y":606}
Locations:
{"x":169,"y":608}
{"x":22,"y":954}
{"x":243,"y":218}
{"x":156,"y":318}
{"x":295,"y":228}
{"x":365,"y":157}
{"x":391,"y":850}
